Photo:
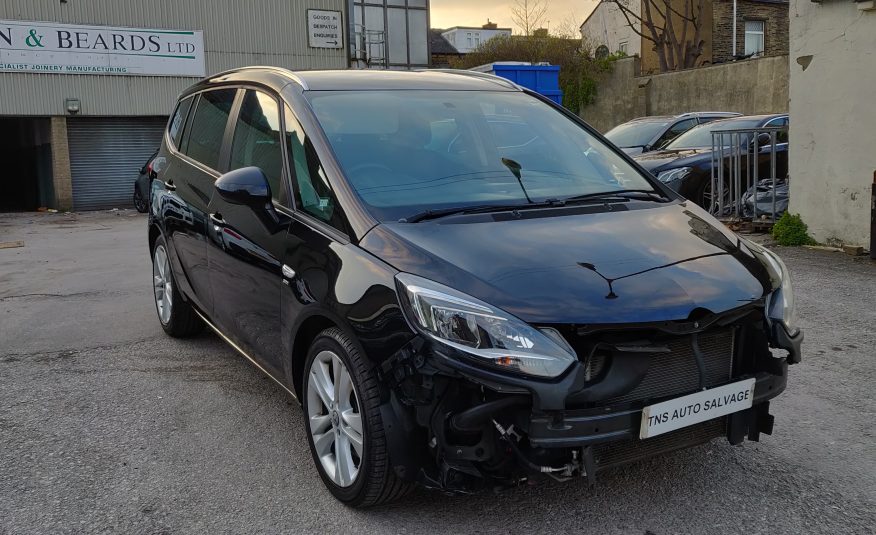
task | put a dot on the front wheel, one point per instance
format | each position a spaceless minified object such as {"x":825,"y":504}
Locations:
{"x":344,"y":424}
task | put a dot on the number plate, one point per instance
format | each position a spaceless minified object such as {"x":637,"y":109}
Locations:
{"x":695,"y":408}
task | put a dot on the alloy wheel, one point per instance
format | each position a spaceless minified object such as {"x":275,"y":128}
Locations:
{"x":335,"y":420}
{"x":162,"y":284}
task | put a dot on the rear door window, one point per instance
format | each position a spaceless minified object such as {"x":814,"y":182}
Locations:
{"x":258,"y":140}
{"x":208,"y":126}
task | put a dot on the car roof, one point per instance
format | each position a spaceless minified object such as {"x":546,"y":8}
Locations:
{"x":763,"y":118}
{"x":666,"y":118}
{"x":361,"y":80}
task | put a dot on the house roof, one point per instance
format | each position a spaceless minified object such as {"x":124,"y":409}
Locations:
{"x":440,"y":45}
{"x":477,"y":28}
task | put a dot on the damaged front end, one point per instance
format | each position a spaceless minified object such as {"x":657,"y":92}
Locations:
{"x":461,"y":422}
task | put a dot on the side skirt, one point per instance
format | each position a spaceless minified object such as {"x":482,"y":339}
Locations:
{"x":245,"y":355}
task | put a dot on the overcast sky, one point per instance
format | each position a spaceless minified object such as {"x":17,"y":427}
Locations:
{"x":447,"y":13}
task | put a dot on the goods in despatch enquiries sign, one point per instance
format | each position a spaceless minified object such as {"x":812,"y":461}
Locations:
{"x":324,"y":29}
{"x":48,"y":47}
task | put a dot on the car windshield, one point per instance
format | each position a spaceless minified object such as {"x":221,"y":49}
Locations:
{"x":636,"y":133}
{"x":405,"y":152}
{"x":700,"y":137}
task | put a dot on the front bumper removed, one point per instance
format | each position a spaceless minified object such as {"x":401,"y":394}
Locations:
{"x":481,"y":427}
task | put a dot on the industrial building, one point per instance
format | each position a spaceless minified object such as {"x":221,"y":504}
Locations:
{"x":86,"y":87}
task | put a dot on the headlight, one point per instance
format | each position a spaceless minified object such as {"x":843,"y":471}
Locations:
{"x":780,"y":304}
{"x":672,"y":175}
{"x":489,"y":335}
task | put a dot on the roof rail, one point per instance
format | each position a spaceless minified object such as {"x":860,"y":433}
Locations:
{"x":278,"y":70}
{"x":474,"y":74}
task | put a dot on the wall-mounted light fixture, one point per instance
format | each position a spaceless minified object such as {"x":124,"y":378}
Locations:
{"x":73,"y":105}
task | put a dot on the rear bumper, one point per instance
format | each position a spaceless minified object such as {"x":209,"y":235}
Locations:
{"x":586,"y":427}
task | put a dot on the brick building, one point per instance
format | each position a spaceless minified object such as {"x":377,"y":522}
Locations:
{"x":761,"y":30}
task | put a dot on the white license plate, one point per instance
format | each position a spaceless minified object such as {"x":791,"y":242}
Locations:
{"x":695,"y":408}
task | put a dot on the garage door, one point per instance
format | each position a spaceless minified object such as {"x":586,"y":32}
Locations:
{"x":105,"y":157}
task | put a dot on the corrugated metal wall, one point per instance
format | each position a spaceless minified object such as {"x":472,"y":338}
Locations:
{"x":105,"y":156}
{"x":236,"y":33}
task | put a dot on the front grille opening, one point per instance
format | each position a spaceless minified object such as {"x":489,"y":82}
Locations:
{"x":674,"y":373}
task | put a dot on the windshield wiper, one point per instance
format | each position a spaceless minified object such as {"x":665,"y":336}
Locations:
{"x":477,"y":209}
{"x":619,"y":195}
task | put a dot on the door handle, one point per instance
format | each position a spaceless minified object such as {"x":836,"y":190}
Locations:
{"x":288,"y":273}
{"x":217,"y":221}
{"x":169,"y":185}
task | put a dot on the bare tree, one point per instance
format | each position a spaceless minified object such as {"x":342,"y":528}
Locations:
{"x":673,"y":26}
{"x":529,"y":15}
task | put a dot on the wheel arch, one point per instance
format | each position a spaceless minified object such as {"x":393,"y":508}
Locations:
{"x":302,"y":338}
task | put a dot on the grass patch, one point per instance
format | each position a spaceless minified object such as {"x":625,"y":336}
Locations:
{"x":790,"y":230}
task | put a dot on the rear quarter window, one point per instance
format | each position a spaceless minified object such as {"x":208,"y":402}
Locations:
{"x":178,"y":121}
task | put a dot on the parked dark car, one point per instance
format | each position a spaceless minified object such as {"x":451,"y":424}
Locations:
{"x":646,"y":134}
{"x":142,"y":185}
{"x":685,"y":165}
{"x":463,"y":283}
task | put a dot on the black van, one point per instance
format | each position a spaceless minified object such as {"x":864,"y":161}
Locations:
{"x":463,"y":283}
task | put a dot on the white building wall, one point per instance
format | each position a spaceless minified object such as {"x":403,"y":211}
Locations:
{"x":833,"y":118}
{"x":459,"y":37}
{"x":608,"y":26}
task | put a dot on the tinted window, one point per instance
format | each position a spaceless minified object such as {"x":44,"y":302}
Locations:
{"x":175,"y":128}
{"x":257,"y":139}
{"x":635,"y":134}
{"x":781,"y":137}
{"x":676,"y":130}
{"x":313,"y":194}
{"x":408,"y":151}
{"x":701,"y":136}
{"x":208,"y":126}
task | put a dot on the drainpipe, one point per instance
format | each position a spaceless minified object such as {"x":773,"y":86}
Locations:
{"x":734,"y":29}
{"x":873,"y":220}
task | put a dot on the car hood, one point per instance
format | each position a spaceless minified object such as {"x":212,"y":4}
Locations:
{"x":621,"y":266}
{"x":669,"y":159}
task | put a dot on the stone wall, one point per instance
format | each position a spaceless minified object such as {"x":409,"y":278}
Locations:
{"x":750,"y":87}
{"x":774,"y":15}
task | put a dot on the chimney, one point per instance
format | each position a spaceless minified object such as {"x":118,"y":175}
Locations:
{"x":490,"y":25}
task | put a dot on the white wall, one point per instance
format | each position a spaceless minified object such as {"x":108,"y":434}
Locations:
{"x":458,"y":37}
{"x":833,"y":118}
{"x":607,"y":26}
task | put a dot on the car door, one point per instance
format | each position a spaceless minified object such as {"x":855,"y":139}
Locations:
{"x":188,"y":183}
{"x":764,"y":158}
{"x":246,"y":243}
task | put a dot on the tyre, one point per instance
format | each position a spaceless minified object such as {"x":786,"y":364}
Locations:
{"x":139,"y":202}
{"x":709,"y":202}
{"x":344,"y":425}
{"x":177,"y":317}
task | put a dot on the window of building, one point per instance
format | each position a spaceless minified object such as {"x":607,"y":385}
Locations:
{"x":477,"y":40}
{"x":313,"y":194}
{"x":754,"y":37}
{"x":257,"y":140}
{"x":622,"y":47}
{"x":208,"y":126}
{"x":468,"y":37}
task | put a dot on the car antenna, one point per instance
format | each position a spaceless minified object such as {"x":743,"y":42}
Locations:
{"x":515,"y":168}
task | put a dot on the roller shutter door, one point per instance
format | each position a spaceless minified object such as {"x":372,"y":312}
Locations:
{"x":105,"y":156}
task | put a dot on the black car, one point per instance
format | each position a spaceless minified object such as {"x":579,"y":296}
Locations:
{"x":654,"y":132}
{"x":463,"y":284}
{"x":685,"y":165}
{"x":142,"y":185}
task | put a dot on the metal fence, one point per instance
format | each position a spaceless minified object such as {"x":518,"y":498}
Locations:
{"x":749,"y":173}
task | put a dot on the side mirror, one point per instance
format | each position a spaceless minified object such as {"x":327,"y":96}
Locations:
{"x":247,"y":186}
{"x":763,"y":139}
